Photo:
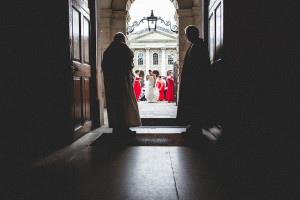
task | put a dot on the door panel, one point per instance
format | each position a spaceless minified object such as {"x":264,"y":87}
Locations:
{"x":215,"y":35}
{"x":77,"y":112}
{"x":80,"y":48}
{"x":219,"y":31}
{"x":218,"y":79}
{"x":211,"y":37}
{"x":86,"y":40}
{"x":76,"y":35}
{"x":87,"y":99}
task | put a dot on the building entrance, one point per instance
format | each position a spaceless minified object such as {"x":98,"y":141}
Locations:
{"x":156,"y":49}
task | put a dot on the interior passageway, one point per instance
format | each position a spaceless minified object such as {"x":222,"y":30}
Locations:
{"x":54,"y":104}
{"x":118,"y":169}
{"x":115,"y":171}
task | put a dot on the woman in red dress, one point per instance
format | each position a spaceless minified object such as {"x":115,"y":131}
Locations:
{"x":170,"y":93}
{"x":161,"y":88}
{"x":137,"y":85}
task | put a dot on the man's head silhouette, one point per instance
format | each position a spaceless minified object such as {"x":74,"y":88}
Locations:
{"x":192,"y":33}
{"x":119,"y":37}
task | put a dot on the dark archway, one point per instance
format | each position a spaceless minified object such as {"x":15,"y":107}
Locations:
{"x":142,"y":75}
{"x":156,"y":72}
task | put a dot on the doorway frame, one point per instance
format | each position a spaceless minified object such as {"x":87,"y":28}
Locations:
{"x":184,"y":16}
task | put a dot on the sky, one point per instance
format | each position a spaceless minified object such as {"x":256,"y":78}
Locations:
{"x":161,"y":8}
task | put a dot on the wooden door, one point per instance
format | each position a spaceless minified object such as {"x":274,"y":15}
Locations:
{"x":80,"y":57}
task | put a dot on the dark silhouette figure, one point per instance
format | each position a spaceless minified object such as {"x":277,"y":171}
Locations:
{"x":121,"y":103}
{"x":193,"y":105}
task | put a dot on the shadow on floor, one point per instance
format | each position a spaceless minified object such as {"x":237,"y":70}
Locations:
{"x":158,"y":121}
{"x":108,"y":139}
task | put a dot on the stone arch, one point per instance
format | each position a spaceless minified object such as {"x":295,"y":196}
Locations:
{"x":126,"y":4}
{"x":156,"y":72}
{"x":114,"y":17}
{"x":169,"y":71}
{"x":142,"y":75}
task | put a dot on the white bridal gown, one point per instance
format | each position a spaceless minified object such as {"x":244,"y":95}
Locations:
{"x":151,"y":92}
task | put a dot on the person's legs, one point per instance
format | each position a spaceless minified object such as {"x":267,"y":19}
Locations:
{"x":123,"y":132}
{"x":120,"y":128}
{"x":193,"y":129}
{"x":196,"y":118}
{"x":116,"y":113}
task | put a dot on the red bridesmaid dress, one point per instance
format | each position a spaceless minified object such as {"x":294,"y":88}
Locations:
{"x":170,"y":93}
{"x":137,"y":88}
{"x":161,"y":92}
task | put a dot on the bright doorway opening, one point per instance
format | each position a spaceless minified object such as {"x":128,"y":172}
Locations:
{"x":155,"y":48}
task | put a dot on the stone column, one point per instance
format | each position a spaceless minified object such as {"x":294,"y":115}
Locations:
{"x":147,"y":60}
{"x":105,"y":22}
{"x":135,"y":59}
{"x":184,"y":18}
{"x":99,"y":40}
{"x":106,"y":39}
{"x":197,"y":18}
{"x":163,"y":61}
{"x":118,"y":22}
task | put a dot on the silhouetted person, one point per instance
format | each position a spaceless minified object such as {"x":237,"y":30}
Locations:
{"x":121,"y":103}
{"x":193,"y":105}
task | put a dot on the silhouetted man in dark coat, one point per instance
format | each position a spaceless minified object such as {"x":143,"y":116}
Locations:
{"x":193,"y":105}
{"x":116,"y":64}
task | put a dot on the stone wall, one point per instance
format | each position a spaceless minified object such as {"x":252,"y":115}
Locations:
{"x":162,"y":70}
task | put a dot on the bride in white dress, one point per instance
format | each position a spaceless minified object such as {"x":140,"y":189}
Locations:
{"x":151,"y":92}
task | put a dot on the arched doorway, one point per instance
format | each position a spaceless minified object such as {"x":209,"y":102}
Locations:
{"x":151,"y":49}
{"x":115,"y":16}
{"x":156,"y":72}
{"x":142,"y":75}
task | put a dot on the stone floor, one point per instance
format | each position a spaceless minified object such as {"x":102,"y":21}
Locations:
{"x":117,"y":171}
{"x":160,"y":109}
{"x":81,"y":171}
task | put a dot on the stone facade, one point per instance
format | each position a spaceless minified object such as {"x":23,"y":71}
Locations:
{"x":155,"y":50}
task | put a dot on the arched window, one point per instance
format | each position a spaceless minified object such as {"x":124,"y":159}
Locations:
{"x":155,"y":59}
{"x":140,"y":59}
{"x":170,"y":59}
{"x":156,"y":72}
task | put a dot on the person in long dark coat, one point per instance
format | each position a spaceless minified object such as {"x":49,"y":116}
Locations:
{"x":193,"y":107}
{"x":117,"y":65}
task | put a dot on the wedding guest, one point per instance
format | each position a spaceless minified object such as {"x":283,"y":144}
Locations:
{"x":161,"y":88}
{"x":170,"y":90}
{"x":137,"y":85}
